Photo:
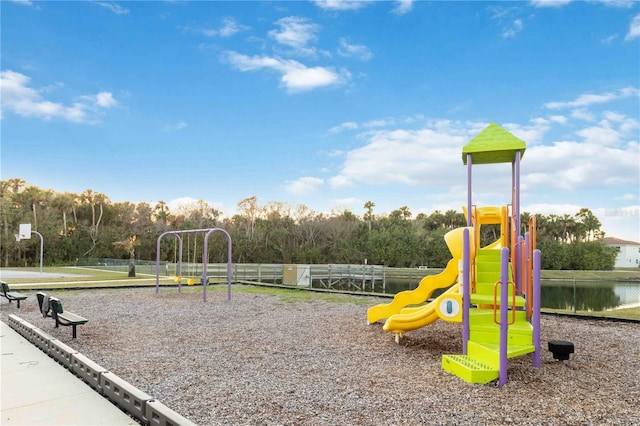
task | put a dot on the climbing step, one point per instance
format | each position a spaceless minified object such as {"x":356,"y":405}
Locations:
{"x":489,"y":353}
{"x":469,"y":369}
{"x":487,"y":299}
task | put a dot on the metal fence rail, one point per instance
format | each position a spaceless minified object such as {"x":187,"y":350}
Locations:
{"x":570,"y":296}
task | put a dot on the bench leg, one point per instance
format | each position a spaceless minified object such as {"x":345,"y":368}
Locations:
{"x":73,"y":326}
{"x":18,"y":303}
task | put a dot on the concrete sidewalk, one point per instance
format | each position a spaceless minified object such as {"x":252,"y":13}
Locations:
{"x":36,"y":390}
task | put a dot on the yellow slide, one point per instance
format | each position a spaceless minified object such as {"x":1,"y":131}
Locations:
{"x":414,"y":318}
{"x":427,"y":285}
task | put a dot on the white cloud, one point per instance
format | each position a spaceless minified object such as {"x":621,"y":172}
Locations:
{"x":114,"y":7}
{"x":629,"y":197}
{"x":618,"y":3}
{"x":23,"y":2}
{"x":591,"y":99}
{"x":549,"y":3}
{"x":403,"y":6}
{"x":296,"y":33}
{"x":587,"y":165}
{"x":171,"y":127}
{"x":105,"y":100}
{"x":403,"y":157}
{"x":560,"y":119}
{"x":382,"y":122}
{"x":634,"y":29}
{"x":296,"y":77}
{"x":348,"y":125}
{"x":229,"y":28}
{"x":583,"y":114}
{"x":600,"y":135}
{"x":531,"y":134}
{"x":605,"y":156}
{"x":23,"y":100}
{"x":341,"y":181}
{"x":304,"y":185}
{"x":350,"y":203}
{"x":515,"y":27}
{"x":359,"y":51}
{"x":341,"y":5}
{"x":621,"y":223}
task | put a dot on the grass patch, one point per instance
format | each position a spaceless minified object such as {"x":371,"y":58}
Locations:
{"x":285,"y":294}
{"x":615,"y":275}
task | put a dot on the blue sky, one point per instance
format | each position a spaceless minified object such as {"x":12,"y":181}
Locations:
{"x":327,"y":104}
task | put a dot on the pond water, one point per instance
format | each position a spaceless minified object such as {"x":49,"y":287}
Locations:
{"x":589,"y":295}
{"x":564,"y":295}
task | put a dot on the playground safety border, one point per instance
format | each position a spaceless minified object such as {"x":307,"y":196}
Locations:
{"x":136,"y":403}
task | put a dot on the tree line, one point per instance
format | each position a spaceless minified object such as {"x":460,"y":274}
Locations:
{"x":90,"y":225}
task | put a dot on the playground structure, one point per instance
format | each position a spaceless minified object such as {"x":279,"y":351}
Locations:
{"x":493,"y":290}
{"x":205,"y":258}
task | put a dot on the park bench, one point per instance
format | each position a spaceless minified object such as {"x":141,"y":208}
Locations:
{"x":65,"y":318}
{"x":44,"y":304}
{"x":11,"y":295}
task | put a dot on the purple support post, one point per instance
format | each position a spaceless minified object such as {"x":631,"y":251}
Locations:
{"x":537,"y":256}
{"x":516,"y":194}
{"x":469,"y":222}
{"x":517,"y":268}
{"x":527,"y":259}
{"x":504,"y":305}
{"x":466,"y":288}
{"x":158,"y":257}
{"x":205,"y":258}
{"x":179,"y":266}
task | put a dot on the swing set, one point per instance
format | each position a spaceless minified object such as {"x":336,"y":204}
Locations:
{"x":205,"y":258}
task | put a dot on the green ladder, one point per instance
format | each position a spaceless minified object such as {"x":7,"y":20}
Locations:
{"x":481,"y":364}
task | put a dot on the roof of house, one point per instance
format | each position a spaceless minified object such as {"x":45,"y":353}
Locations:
{"x":612,"y":241}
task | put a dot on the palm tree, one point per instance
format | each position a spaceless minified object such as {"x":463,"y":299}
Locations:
{"x":64,"y":203}
{"x":96,"y":201}
{"x":368,"y":216}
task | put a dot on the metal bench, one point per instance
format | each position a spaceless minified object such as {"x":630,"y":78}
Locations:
{"x":11,"y":295}
{"x":43,"y":303}
{"x":65,"y":318}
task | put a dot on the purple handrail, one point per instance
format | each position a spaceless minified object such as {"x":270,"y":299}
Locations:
{"x":537,"y":256}
{"x":466,"y":288}
{"x":504,"y":305}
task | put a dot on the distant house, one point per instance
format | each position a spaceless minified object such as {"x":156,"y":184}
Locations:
{"x":628,"y":252}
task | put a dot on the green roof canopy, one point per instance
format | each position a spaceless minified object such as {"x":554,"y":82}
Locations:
{"x":493,"y":145}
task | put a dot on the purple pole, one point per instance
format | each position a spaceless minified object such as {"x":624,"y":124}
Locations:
{"x":516,"y":201}
{"x":520,"y":271}
{"x":205,"y":262}
{"x":504,"y":326}
{"x":466,"y":289}
{"x":205,"y":265}
{"x":526,"y":272}
{"x":179,"y":266}
{"x":158,"y":259}
{"x":469,"y":223}
{"x":537,"y":256}
{"x":158,"y":263}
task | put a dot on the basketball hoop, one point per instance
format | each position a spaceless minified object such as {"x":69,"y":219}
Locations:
{"x":18,"y":237}
{"x":25,"y":231}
